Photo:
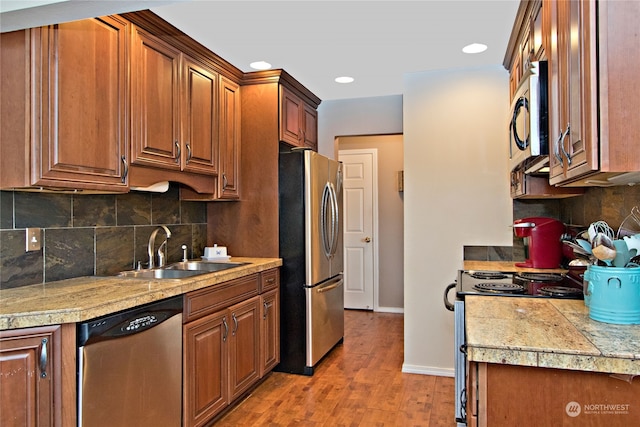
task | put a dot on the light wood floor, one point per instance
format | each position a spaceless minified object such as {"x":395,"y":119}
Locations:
{"x":359,"y":383}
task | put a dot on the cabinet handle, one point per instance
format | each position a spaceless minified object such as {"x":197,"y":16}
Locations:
{"x":43,"y":358}
{"x":224,"y":181}
{"x":226,"y":329}
{"x":556,"y":148}
{"x":266,"y":309}
{"x":126,"y":169}
{"x":188,"y":153}
{"x":270,"y":281}
{"x":235,"y":324}
{"x":566,"y":154}
{"x":178,"y":151}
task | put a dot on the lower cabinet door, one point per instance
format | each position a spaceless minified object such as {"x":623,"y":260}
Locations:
{"x":270,"y":332}
{"x":205,"y":368}
{"x":28,"y":360}
{"x":244,"y":342}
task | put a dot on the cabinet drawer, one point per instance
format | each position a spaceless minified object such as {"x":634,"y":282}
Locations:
{"x":202,"y":302}
{"x":270,"y":280}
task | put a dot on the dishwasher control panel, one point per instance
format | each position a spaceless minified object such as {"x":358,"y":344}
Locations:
{"x":128,"y":322}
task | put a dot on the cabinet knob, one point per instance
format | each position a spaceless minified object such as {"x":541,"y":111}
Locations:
{"x":367,"y":239}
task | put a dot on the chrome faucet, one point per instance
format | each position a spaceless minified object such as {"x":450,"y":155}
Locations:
{"x":162,"y":256}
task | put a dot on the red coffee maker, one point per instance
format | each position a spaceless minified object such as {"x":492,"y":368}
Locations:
{"x":542,"y":241}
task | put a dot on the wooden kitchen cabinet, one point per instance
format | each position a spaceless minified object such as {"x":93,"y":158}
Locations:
{"x":594,"y":95}
{"x":252,"y":227}
{"x":536,"y":186}
{"x":65,"y":107}
{"x":573,"y":132}
{"x":526,"y":43}
{"x":270,"y":332}
{"x":205,"y":381}
{"x":505,"y":395}
{"x":229,"y":176}
{"x":223,"y":342}
{"x":37,"y":376}
{"x":244,"y":346}
{"x":174,"y":108}
{"x":298,"y":121}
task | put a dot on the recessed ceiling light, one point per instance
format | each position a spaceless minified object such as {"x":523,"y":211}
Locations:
{"x":474,"y":48}
{"x":260,"y":65}
{"x":344,"y":79}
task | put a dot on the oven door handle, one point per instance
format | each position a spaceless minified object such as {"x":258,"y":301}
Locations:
{"x":447,"y":304}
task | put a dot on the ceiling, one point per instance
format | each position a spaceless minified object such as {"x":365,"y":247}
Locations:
{"x":375,"y":42}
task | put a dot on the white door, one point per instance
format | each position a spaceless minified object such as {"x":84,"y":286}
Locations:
{"x":360,"y":211}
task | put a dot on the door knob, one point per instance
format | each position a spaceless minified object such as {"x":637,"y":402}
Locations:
{"x":367,"y":239}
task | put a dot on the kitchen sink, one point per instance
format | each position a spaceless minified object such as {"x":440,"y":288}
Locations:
{"x":180,"y":270}
{"x":160,"y":273}
{"x":203,"y":266}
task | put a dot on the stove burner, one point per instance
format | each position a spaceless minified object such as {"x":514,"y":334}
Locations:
{"x":560,"y":291}
{"x":488,"y":275}
{"x":502,"y":288}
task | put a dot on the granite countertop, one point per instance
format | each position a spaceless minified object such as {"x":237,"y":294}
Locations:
{"x":82,"y":298}
{"x":548,"y":333}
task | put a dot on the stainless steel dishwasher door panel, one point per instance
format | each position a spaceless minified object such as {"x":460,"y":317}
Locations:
{"x":124,"y":382}
{"x":325,"y":318}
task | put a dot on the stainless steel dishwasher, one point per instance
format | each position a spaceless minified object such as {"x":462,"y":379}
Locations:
{"x":130,"y":367}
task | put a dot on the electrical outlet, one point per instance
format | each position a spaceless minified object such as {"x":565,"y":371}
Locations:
{"x":33,"y":239}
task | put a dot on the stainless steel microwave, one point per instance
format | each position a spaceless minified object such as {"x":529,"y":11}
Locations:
{"x":529,"y":116}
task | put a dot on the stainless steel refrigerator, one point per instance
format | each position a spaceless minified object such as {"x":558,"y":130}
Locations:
{"x":311,"y":247}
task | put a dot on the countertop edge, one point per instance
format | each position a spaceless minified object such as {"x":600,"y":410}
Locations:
{"x":554,"y":360}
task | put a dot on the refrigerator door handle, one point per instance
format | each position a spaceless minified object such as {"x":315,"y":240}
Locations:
{"x":324,"y":208}
{"x":335,"y":220}
{"x":329,"y":287}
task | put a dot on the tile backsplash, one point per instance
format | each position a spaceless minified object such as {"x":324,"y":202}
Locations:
{"x":86,"y":235}
{"x":610,"y":204}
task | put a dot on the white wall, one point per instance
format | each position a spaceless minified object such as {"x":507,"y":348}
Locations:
{"x":358,"y":116}
{"x":456,"y":194}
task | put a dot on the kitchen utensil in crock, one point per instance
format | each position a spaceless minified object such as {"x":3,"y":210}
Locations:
{"x":599,"y":227}
{"x":603,"y":248}
{"x":633,"y":243}
{"x":586,"y":246}
{"x":574,"y":249}
{"x":623,"y":255}
{"x":630,"y":225}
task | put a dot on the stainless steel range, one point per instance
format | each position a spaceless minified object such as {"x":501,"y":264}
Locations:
{"x":498,"y":283}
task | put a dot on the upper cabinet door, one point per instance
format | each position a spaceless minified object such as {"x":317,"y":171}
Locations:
{"x":290,"y":112}
{"x":228,"y":179}
{"x":79,"y":106}
{"x":310,"y":127}
{"x":573,"y":122}
{"x":199,"y":124}
{"x":298,"y":121}
{"x":155,"y":86}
